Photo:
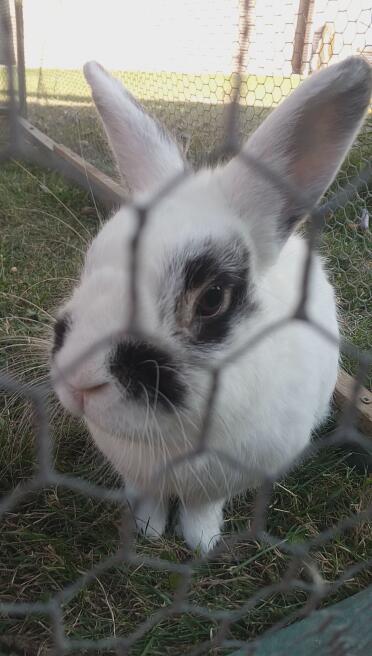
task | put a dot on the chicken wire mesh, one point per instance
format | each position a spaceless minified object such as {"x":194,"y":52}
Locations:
{"x":210,"y":134}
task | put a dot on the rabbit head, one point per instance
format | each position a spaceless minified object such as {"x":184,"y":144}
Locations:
{"x":202,"y":259}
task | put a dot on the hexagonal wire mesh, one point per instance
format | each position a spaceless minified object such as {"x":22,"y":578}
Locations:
{"x":213,"y":38}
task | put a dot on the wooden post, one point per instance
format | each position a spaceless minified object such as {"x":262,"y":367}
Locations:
{"x":342,"y":397}
{"x":21,"y":67}
{"x":304,"y":18}
{"x":245,"y":26}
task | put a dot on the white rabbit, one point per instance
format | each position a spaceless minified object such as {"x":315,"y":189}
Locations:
{"x":218,"y":263}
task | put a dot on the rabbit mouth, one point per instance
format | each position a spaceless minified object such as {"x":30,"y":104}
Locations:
{"x":104,"y":407}
{"x":128,"y":419}
{"x":134,"y":387}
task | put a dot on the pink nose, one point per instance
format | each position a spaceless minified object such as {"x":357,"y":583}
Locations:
{"x":80,"y":393}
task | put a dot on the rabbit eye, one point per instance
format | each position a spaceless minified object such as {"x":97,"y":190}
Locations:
{"x":213,"y":302}
{"x":215,"y":290}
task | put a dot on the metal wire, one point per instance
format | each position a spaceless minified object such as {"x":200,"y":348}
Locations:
{"x":314,"y":587}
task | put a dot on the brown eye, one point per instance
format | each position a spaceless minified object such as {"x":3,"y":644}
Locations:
{"x":213,"y":302}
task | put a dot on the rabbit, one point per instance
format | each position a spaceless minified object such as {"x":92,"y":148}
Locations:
{"x":219,"y":261}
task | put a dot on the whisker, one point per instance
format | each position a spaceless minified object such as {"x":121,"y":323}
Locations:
{"x":25,"y":300}
{"x":156,"y":388}
{"x":39,"y":229}
{"x":54,"y":279}
{"x":164,"y":450}
{"x":190,"y":446}
{"x":14,"y":317}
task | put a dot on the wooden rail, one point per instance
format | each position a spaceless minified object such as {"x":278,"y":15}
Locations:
{"x":41,"y":148}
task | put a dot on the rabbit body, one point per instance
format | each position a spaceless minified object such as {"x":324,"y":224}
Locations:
{"x":219,"y":270}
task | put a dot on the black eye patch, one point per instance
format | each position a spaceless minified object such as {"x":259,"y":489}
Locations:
{"x":208,"y":266}
{"x":223,"y":265}
{"x":61,"y":327}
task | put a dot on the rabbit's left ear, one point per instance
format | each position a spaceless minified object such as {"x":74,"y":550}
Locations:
{"x":304,"y":142}
{"x":146,"y":154}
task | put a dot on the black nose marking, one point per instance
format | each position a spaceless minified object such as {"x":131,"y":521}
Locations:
{"x":61,"y":327}
{"x":145,"y":371}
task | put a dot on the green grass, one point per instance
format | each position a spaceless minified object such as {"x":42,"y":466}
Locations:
{"x":56,"y":534}
{"x":348,"y":252}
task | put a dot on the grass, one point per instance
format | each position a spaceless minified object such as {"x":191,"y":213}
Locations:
{"x":348,"y":252}
{"x":56,"y":534}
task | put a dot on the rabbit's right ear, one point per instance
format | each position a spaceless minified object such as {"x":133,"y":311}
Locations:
{"x":146,"y":154}
{"x":301,"y":144}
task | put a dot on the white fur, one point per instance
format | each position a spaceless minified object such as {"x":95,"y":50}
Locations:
{"x":274,"y":395}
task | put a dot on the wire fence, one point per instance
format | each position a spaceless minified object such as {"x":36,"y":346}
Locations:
{"x":350,"y":193}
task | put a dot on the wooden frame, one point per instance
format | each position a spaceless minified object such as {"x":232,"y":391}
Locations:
{"x":342,"y":628}
{"x":344,"y":396}
{"x":38,"y":147}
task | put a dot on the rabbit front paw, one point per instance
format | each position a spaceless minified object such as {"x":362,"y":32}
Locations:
{"x":150,"y":514}
{"x":201,"y":525}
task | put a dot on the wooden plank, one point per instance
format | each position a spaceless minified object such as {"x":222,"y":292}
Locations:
{"x":71,"y":165}
{"x":35,"y":135}
{"x":344,"y":392}
{"x":99,"y":179}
